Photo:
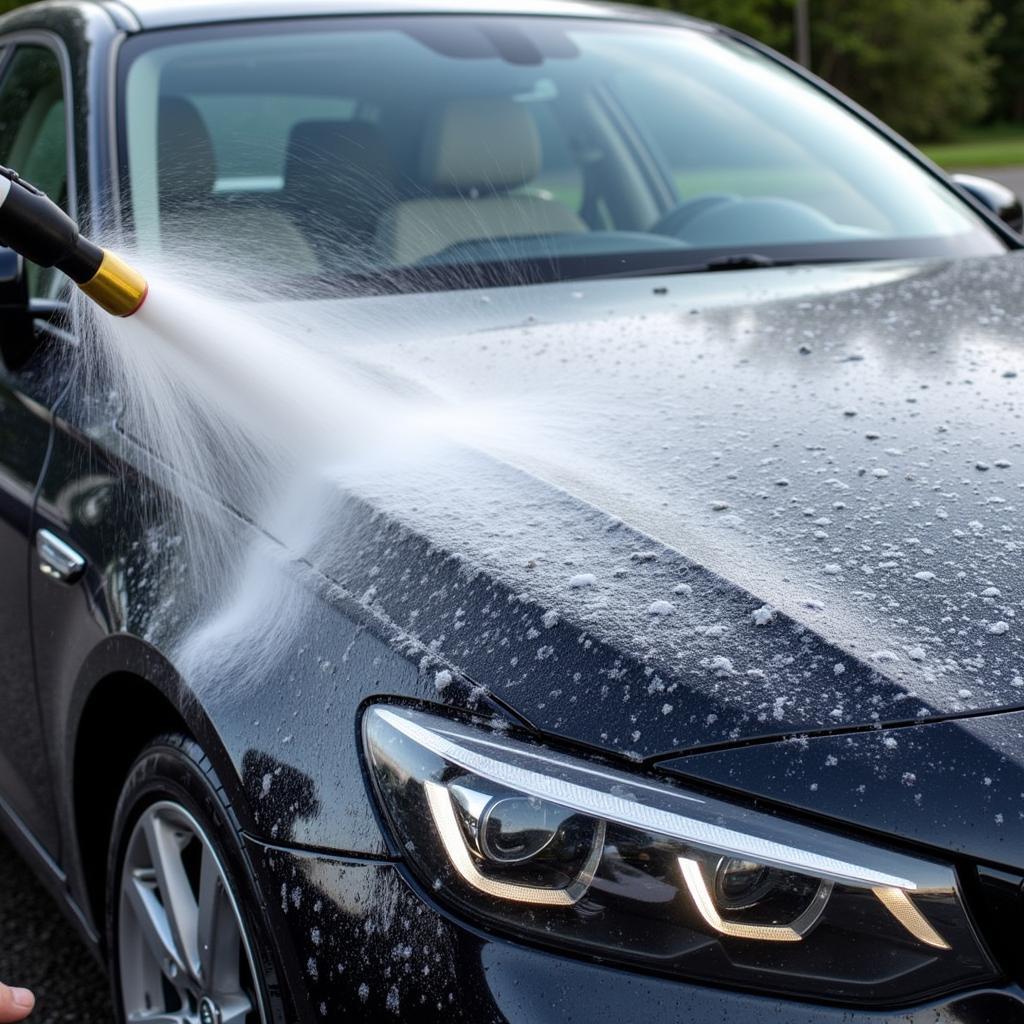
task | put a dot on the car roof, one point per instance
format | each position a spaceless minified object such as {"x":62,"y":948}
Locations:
{"x":155,"y":14}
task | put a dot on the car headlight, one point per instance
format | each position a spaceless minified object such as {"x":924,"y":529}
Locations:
{"x":617,"y":865}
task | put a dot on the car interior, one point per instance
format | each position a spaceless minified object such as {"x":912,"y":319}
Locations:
{"x":343,"y":202}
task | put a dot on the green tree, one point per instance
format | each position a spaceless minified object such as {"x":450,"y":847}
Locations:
{"x":923,"y":66}
{"x":767,"y":20}
{"x":1006,"y":45}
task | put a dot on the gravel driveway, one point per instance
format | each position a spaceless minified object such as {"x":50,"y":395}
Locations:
{"x":40,"y":950}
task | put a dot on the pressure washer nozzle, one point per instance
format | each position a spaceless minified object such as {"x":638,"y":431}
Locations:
{"x":43,"y":233}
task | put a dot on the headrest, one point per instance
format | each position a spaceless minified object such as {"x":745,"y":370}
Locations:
{"x":489,"y":144}
{"x":337,"y":156}
{"x":187,"y":168}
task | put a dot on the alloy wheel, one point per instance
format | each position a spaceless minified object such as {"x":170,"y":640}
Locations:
{"x":184,"y":956}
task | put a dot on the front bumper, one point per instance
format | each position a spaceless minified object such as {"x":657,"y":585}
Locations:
{"x":359,"y":944}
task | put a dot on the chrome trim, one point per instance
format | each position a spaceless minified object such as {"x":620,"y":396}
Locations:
{"x":57,"y":559}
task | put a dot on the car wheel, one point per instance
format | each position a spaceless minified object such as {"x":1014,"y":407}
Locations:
{"x":186,"y":926}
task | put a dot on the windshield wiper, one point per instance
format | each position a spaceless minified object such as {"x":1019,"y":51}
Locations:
{"x":744,"y":261}
{"x":738,"y":261}
{"x":517,"y":273}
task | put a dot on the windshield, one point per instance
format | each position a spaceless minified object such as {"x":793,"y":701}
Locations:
{"x":444,"y":151}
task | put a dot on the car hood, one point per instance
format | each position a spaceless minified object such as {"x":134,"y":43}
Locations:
{"x":659,"y":515}
{"x":954,"y":785}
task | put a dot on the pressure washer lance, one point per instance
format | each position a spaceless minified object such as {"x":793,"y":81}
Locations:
{"x":38,"y":229}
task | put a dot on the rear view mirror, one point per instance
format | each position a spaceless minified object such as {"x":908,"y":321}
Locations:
{"x":1002,"y":201}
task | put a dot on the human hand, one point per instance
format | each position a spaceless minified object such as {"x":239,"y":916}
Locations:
{"x":15,"y":1004}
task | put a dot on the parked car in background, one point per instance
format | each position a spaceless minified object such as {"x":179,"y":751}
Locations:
{"x":727,"y":728}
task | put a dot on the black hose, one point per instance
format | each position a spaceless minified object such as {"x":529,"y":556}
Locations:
{"x":36,"y":227}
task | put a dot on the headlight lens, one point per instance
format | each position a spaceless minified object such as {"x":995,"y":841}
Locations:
{"x":630,"y":869}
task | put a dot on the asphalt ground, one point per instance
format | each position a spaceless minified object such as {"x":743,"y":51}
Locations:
{"x":40,"y":950}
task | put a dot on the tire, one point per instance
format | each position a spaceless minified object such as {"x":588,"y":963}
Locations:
{"x":177,"y":869}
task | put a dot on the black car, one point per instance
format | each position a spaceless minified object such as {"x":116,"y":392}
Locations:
{"x":666,"y":665}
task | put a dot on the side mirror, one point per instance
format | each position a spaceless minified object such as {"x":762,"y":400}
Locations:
{"x":13,"y":289}
{"x":1001,"y":200}
{"x":16,"y":333}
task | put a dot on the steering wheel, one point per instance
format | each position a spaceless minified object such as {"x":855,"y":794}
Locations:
{"x":675,"y":221}
{"x":729,"y":220}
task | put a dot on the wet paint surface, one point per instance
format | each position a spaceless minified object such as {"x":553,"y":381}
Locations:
{"x":953,"y":786}
{"x":607,"y":538}
{"x":367,"y":947}
{"x":774,"y":517}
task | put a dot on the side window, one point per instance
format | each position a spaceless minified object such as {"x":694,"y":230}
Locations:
{"x":33,"y":136}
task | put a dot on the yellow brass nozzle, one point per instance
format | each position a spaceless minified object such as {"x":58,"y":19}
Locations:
{"x":116,"y":287}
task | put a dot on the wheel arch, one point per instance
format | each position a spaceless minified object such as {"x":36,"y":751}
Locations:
{"x":128,"y":694}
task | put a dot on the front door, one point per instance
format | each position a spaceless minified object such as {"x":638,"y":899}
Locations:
{"x":33,"y":140}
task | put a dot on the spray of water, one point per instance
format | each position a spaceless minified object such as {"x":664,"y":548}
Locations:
{"x":233,"y":402}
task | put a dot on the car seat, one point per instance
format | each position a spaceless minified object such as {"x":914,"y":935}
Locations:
{"x":194,"y":220}
{"x":475,"y":154}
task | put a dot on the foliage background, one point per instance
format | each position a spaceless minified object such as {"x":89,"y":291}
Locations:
{"x":930,"y":68}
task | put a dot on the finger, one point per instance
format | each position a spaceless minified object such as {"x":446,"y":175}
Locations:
{"x":15,"y":1004}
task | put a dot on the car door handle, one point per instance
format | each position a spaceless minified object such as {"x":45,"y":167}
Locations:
{"x":58,"y":560}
